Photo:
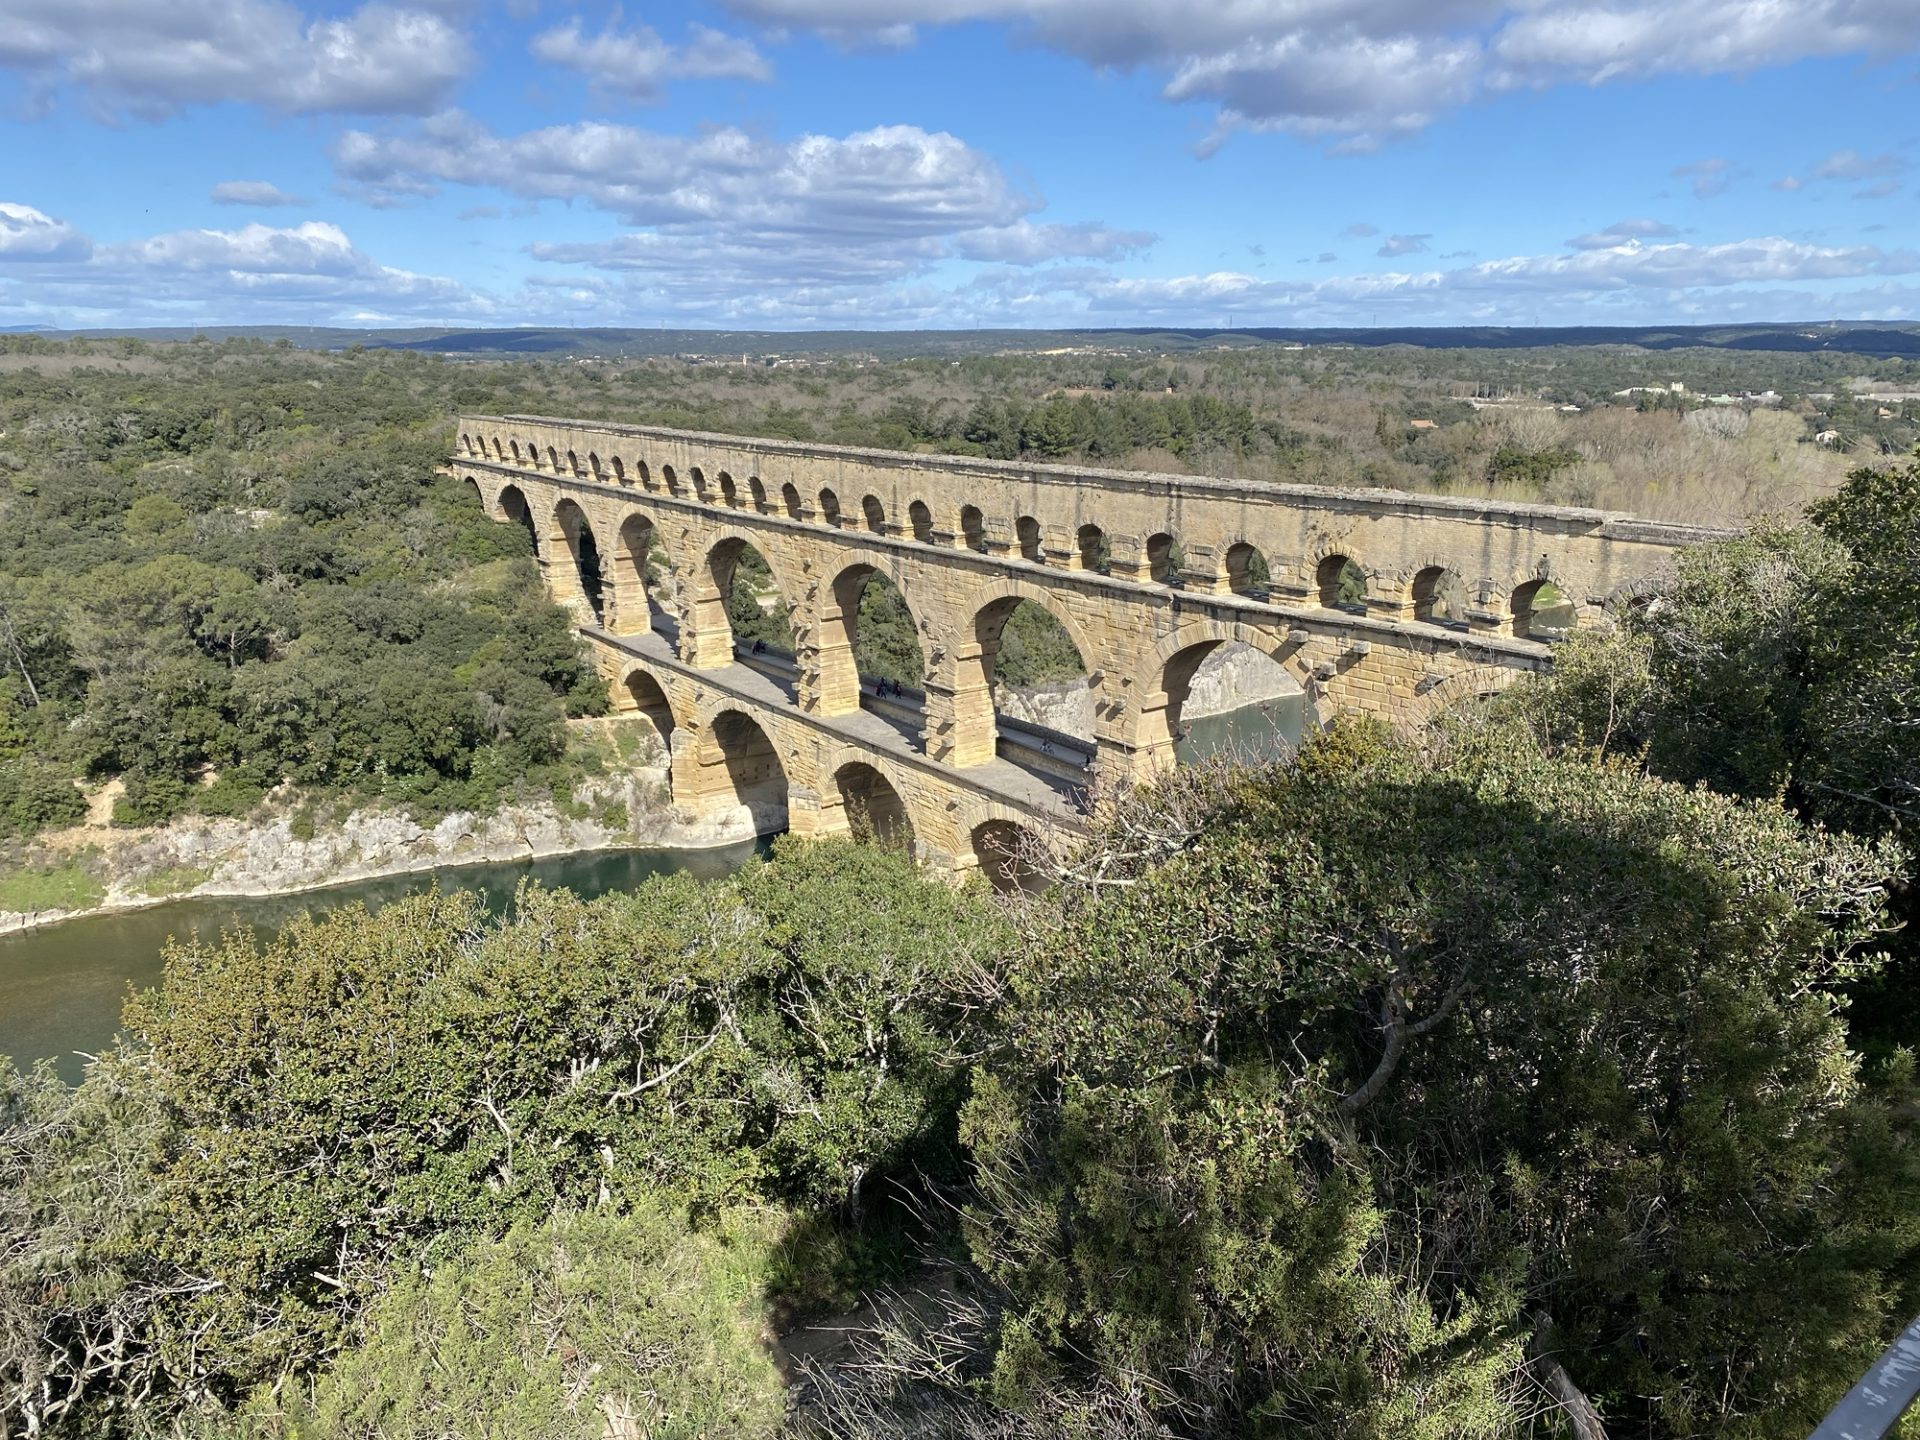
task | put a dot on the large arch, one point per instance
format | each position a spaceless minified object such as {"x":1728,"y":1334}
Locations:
{"x":1053,"y":750}
{"x":514,"y":506}
{"x":870,"y":651}
{"x":644,"y":584}
{"x":733,"y":764}
{"x":1002,"y":848}
{"x":741,"y":608}
{"x":1272,"y":693}
{"x":872,"y":807}
{"x":644,"y":694}
{"x":586,"y":586}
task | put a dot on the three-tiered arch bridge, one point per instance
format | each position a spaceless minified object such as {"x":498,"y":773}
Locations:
{"x":1383,"y":602}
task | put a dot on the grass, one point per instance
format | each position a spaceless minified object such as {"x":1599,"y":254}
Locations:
{"x":65,"y":887}
{"x":175,"y":881}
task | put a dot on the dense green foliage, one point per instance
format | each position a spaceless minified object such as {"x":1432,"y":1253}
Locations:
{"x":214,"y":585}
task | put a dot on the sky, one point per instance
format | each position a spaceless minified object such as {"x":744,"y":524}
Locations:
{"x":787,"y":164}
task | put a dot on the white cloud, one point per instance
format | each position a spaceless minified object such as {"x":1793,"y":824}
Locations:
{"x":256,"y":272}
{"x":153,"y":59}
{"x":638,"y":64}
{"x":263,"y":193}
{"x":1622,"y":231}
{"x":1359,"y":72}
{"x":1710,"y":177}
{"x":1852,"y":165}
{"x":30,"y":234}
{"x":1788,"y":184}
{"x":1025,"y":243}
{"x":1396,"y":245}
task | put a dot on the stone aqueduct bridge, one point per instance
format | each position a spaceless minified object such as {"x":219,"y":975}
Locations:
{"x":1450,"y":591}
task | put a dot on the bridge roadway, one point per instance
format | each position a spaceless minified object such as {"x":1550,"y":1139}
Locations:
{"x":1390,"y":604}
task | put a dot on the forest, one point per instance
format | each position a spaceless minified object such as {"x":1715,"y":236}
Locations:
{"x":1548,"y":1072}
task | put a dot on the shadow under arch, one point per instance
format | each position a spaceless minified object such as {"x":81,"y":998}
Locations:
{"x":1001,"y":848}
{"x":513,"y":505}
{"x":1030,"y":665}
{"x":644,"y":585}
{"x":873,"y":808}
{"x":650,"y":701}
{"x":735,"y":766}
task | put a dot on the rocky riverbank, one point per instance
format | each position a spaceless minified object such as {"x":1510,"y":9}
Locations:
{"x":122,"y":869}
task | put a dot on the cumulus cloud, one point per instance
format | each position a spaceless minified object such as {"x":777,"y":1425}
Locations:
{"x":1788,"y":184}
{"x":30,"y":234}
{"x":153,"y":60}
{"x":1359,"y":72}
{"x":638,"y":65}
{"x":255,"y":272}
{"x":1395,"y":245}
{"x":1623,"y":232}
{"x":263,"y":193}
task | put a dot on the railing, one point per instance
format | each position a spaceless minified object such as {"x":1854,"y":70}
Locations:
{"x":1874,"y":1406}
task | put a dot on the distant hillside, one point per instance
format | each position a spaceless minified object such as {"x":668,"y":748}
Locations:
{"x":1876,"y":339}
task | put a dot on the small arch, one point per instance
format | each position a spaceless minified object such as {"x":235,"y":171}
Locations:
{"x":1543,"y":611}
{"x":973,"y":528}
{"x":1247,"y":571}
{"x":585,"y":551}
{"x":1026,"y":531}
{"x":750,"y":772}
{"x":874,"y":810}
{"x":553,"y":460}
{"x":620,"y":472}
{"x":699,"y":479}
{"x":874,"y":513}
{"x":1095,"y":555}
{"x":573,"y":464}
{"x":466,"y":443}
{"x":1163,"y":559}
{"x":830,"y":508}
{"x":499,"y":450}
{"x":516,"y":453}
{"x":649,"y":699}
{"x":1439,"y":597}
{"x":790,"y":502}
{"x":921,"y":518}
{"x":1342,"y":583}
{"x":1003,"y":851}
{"x":729,"y":492}
{"x":594,"y":467}
{"x":757,"y":493}
{"x":670,"y":479}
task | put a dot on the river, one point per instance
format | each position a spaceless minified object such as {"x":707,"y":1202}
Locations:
{"x":61,"y":986}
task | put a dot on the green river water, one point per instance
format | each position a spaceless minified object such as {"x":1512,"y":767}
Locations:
{"x":61,"y":987}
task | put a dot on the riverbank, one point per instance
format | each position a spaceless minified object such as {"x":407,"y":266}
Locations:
{"x":96,"y":867}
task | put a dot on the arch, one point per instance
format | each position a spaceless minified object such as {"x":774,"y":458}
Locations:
{"x":1001,"y":848}
{"x":871,"y":654}
{"x":513,"y":505}
{"x":594,"y":467}
{"x":649,"y":699}
{"x":1247,"y":571}
{"x":620,"y":476}
{"x":737,"y":764}
{"x":699,"y":479}
{"x":1162,"y":735}
{"x":790,"y":501}
{"x":1340,"y":583}
{"x":1026,"y":532}
{"x":1439,"y":597}
{"x":743,"y":606}
{"x":874,"y":514}
{"x":553,"y":460}
{"x":643,"y":580}
{"x":729,"y":492}
{"x":1163,"y":559}
{"x":920,"y":517}
{"x":873,"y":808}
{"x":1091,"y":543}
{"x":589,"y":575}
{"x":757,"y":494}
{"x":830,"y":508}
{"x":1543,"y":611}
{"x":466,"y":443}
{"x":573,"y":464}
{"x":499,"y":450}
{"x":516,"y":452}
{"x":973,"y":528}
{"x":670,"y":479}
{"x":1048,"y":729}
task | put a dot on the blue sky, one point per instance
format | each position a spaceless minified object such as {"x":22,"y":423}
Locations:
{"x":903,"y":163}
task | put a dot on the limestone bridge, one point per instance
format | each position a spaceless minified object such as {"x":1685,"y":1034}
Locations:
{"x":1376,"y":601}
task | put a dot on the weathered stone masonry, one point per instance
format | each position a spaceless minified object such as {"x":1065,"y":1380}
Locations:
{"x":965,"y":540}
